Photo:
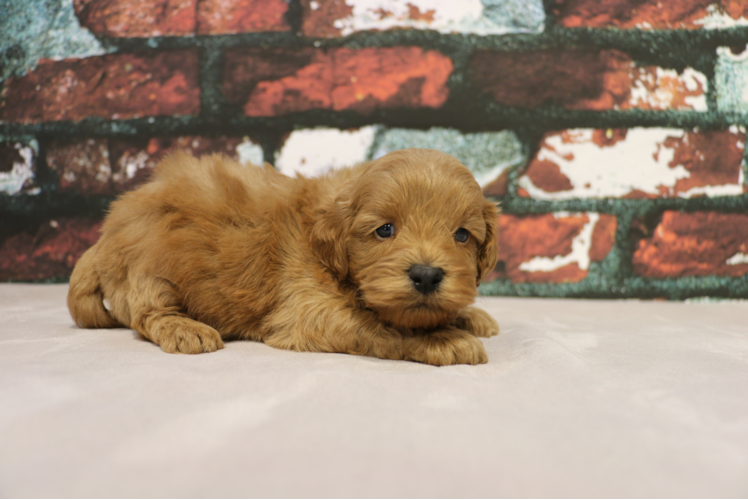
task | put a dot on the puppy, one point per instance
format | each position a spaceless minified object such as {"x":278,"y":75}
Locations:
{"x":382,"y":259}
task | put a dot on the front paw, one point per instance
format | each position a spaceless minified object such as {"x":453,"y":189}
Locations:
{"x":477,"y":321}
{"x":447,"y":346}
{"x":186,"y":336}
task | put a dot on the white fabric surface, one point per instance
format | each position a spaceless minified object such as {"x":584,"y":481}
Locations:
{"x":579,"y":398}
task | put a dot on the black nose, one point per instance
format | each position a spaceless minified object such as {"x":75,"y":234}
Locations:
{"x":426,"y":279}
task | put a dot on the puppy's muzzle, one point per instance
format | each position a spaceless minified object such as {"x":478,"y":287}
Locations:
{"x":426,"y":279}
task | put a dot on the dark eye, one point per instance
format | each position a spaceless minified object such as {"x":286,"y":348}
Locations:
{"x":461,"y":235}
{"x":385,"y":231}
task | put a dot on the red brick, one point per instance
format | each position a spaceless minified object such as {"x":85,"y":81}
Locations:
{"x":712,"y":157}
{"x":584,"y":79}
{"x":137,"y":18}
{"x":134,"y":159}
{"x":319,"y":22}
{"x":245,"y":68}
{"x":276,"y":82}
{"x":17,"y":168}
{"x":547,"y":176}
{"x":81,"y":165}
{"x":526,"y":240}
{"x":694,"y":244}
{"x":221,"y":17}
{"x":603,"y":237}
{"x":147,"y":18}
{"x":397,"y":77}
{"x":648,"y":14}
{"x":49,"y":252}
{"x":636,"y":163}
{"x":115,"y":86}
{"x":297,"y":83}
{"x":108,"y":166}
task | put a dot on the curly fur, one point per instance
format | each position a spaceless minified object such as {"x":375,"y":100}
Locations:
{"x":210,"y":250}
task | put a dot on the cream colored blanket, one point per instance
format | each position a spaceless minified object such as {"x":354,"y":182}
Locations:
{"x":580,"y":398}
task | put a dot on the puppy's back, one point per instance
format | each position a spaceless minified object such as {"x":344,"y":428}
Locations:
{"x":173,"y":227}
{"x":212,"y":186}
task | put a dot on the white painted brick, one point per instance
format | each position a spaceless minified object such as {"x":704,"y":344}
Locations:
{"x":657,"y":88}
{"x":312,"y":152}
{"x":21,"y":176}
{"x":716,"y":19}
{"x":249,"y":152}
{"x":481,"y":17}
{"x":642,"y":162}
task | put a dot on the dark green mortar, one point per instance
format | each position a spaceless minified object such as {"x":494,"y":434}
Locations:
{"x":466,"y":110}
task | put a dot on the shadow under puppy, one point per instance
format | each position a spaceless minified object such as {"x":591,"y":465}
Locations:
{"x":382,"y":259}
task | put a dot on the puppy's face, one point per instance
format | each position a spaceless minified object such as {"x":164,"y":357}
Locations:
{"x":419,"y":236}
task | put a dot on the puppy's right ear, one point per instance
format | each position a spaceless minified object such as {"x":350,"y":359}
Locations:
{"x":329,"y":236}
{"x":488,"y":251}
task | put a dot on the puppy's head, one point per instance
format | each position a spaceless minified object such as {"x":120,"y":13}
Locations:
{"x":413,"y":232}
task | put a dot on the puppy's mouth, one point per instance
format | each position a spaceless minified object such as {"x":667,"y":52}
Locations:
{"x":420,"y":315}
{"x":425,"y":306}
{"x":397,"y":299}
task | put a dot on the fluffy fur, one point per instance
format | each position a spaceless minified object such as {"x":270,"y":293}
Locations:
{"x":210,"y":250}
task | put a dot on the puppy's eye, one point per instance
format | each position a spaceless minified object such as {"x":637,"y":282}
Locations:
{"x":385,"y":231}
{"x":461,"y":235}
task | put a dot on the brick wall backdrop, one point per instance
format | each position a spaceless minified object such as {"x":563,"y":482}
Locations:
{"x":612,"y":131}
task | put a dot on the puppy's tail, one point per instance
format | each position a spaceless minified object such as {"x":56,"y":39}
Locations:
{"x":85,"y":300}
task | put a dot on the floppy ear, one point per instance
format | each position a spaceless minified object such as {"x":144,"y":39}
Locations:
{"x":329,"y":237}
{"x":488,"y":250}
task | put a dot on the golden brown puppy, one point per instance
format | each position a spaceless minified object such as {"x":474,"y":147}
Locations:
{"x":381,"y":260}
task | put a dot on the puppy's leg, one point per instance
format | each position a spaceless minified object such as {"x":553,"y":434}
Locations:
{"x":477,"y":321}
{"x":316,"y":320}
{"x":157,"y":315}
{"x":445,"y":346}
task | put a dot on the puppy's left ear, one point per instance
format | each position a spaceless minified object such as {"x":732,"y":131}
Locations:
{"x":329,"y":236}
{"x":488,"y":251}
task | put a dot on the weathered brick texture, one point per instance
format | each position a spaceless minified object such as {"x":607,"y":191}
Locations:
{"x":611,"y":132}
{"x":488,"y":155}
{"x":650,"y":14}
{"x":17,"y":168}
{"x":82,"y":166}
{"x":49,"y":251}
{"x":554,"y":248}
{"x":732,"y":78}
{"x":636,"y":163}
{"x":149,"y":18}
{"x":277,"y":82}
{"x":137,"y":18}
{"x":108,"y":166}
{"x":584,"y":79}
{"x":222,"y":17}
{"x":334,"y":18}
{"x":694,"y":244}
{"x":114,"y":87}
